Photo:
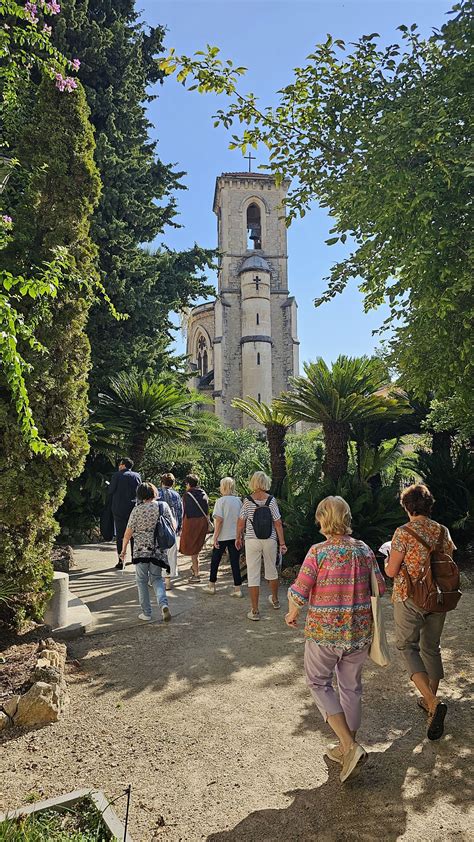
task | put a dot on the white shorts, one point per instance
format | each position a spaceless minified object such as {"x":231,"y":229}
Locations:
{"x":255,"y":548}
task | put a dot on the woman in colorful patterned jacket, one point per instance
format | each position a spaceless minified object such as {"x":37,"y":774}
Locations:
{"x":335,"y":582}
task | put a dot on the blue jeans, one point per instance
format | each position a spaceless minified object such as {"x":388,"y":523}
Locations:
{"x":145,"y":570}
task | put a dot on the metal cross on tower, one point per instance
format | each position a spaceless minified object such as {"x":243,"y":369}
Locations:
{"x":250,"y":158}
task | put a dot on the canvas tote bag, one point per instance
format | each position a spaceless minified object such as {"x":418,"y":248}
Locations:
{"x":379,"y":651}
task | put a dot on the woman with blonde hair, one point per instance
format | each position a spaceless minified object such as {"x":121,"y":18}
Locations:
{"x":335,"y":581}
{"x":225,"y":516}
{"x":261,"y":519}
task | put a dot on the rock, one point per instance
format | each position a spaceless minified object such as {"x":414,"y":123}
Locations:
{"x":10,"y":706}
{"x":62,"y":558}
{"x":53,"y":658}
{"x":51,"y":643}
{"x":5,"y":721}
{"x":39,"y":706}
{"x":45,"y":672}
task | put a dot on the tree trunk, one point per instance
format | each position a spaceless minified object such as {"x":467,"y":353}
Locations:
{"x":336,"y":458}
{"x":276,"y":434}
{"x":137,"y":449}
{"x":441,"y":443}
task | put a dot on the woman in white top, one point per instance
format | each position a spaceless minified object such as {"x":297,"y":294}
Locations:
{"x":225,"y":515}
{"x":258,"y":547}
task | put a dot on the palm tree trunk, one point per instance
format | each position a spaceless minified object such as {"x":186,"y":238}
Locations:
{"x":137,"y":449}
{"x":336,"y":458}
{"x":276,"y":444}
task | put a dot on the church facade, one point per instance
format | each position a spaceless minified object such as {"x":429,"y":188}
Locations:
{"x":245,"y":343}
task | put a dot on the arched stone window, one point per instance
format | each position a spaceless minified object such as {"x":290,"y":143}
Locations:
{"x":202,"y":356}
{"x":254,"y":227}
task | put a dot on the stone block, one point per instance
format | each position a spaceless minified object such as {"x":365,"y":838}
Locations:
{"x":40,"y":705}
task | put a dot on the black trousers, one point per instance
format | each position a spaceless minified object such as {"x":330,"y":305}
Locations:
{"x":234,"y":556}
{"x":120,"y":524}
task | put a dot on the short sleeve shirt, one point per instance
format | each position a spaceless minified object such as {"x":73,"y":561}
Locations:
{"x":416,"y":555}
{"x":142,"y":522}
{"x":247,"y":512}
{"x":228,"y":508}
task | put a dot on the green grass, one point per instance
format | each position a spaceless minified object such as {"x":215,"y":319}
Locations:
{"x":81,"y":823}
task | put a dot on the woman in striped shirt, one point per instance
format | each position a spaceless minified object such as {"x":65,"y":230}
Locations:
{"x":335,"y":580}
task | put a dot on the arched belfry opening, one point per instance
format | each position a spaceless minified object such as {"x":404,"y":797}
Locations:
{"x":254,"y":227}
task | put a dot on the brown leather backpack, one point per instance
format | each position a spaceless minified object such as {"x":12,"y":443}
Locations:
{"x":437,"y":588}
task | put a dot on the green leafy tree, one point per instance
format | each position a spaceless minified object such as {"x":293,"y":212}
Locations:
{"x":381,"y":137}
{"x":135,"y":408}
{"x":25,"y":44}
{"x":352,"y":391}
{"x":277,"y":423}
{"x":118,"y":67}
{"x":60,"y":187}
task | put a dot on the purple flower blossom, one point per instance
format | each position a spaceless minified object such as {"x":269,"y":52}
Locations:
{"x":53,"y":8}
{"x":7,"y":219}
{"x":67,"y":84}
{"x":47,"y":29}
{"x":75,"y":64}
{"x":31,"y":10}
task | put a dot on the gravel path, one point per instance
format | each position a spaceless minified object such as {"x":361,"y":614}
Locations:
{"x":210,"y":721}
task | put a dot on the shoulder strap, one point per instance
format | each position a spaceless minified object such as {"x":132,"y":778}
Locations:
{"x":198,"y":504}
{"x":418,"y":538}
{"x":269,"y":499}
{"x":251,"y":500}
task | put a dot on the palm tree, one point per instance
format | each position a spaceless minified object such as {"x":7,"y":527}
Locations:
{"x":134,"y":408}
{"x":354,"y":390}
{"x":276,"y":422}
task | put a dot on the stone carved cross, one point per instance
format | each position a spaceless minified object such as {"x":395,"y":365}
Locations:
{"x":256,"y":281}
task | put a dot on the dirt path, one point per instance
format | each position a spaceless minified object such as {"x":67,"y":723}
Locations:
{"x":210,"y":720}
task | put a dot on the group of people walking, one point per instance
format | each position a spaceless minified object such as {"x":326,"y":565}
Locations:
{"x":334,"y":582}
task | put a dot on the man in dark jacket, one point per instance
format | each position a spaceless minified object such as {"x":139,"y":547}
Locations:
{"x":122,"y":490}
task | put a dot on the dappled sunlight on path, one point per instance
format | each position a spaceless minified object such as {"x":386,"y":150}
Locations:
{"x":210,"y":720}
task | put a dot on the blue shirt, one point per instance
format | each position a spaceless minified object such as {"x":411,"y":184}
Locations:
{"x":170,"y":496}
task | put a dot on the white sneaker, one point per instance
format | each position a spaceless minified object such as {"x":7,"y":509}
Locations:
{"x":210,"y":588}
{"x":352,"y":760}
{"x":254,"y":615}
{"x":144,"y":617}
{"x":237,"y":592}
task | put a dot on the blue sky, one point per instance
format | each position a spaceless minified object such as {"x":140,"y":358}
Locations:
{"x":270,"y":38}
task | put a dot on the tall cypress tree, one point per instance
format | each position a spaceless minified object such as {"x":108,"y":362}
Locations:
{"x":52,"y":208}
{"x":118,"y":64}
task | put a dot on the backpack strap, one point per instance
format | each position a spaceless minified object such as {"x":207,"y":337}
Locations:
{"x":269,"y":499}
{"x":419,"y":538}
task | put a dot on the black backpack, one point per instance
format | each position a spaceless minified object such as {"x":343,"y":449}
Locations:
{"x":262,"y":520}
{"x":164,"y":536}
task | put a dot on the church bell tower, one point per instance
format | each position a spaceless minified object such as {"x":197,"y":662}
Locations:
{"x":251,"y":327}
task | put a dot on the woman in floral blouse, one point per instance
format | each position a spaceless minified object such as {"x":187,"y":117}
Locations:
{"x":419,"y":632}
{"x":335,"y":580}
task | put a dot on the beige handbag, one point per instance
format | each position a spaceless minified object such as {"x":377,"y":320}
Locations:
{"x":379,"y":651}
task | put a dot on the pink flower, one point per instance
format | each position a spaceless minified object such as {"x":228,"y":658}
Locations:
{"x":31,"y":10}
{"x":53,"y":8}
{"x":7,"y":219}
{"x":75,"y":64}
{"x":70,"y":83}
{"x":47,"y":29}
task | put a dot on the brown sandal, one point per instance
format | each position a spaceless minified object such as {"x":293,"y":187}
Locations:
{"x":422,"y":704}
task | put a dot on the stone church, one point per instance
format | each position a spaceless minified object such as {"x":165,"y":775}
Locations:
{"x":245,"y":343}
